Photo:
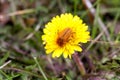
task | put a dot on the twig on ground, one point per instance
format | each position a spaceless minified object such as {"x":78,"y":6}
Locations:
{"x":79,"y":63}
{"x":15,"y":48}
{"x":38,"y":26}
{"x":6,"y":63}
{"x":92,"y":11}
{"x":114,"y":53}
{"x":21,"y":12}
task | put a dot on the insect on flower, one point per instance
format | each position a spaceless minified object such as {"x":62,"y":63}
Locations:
{"x":64,"y":36}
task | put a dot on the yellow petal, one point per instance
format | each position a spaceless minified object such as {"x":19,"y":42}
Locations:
{"x":65,"y":54}
{"x":78,"y":48}
{"x":57,"y":53}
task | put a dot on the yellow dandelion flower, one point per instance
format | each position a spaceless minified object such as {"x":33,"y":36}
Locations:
{"x":64,"y":34}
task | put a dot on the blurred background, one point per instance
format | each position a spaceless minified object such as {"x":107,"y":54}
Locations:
{"x":22,"y":54}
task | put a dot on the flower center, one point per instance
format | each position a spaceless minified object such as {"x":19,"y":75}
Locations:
{"x":64,"y":36}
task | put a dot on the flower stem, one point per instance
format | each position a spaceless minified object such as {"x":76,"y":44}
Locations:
{"x":79,"y":63}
